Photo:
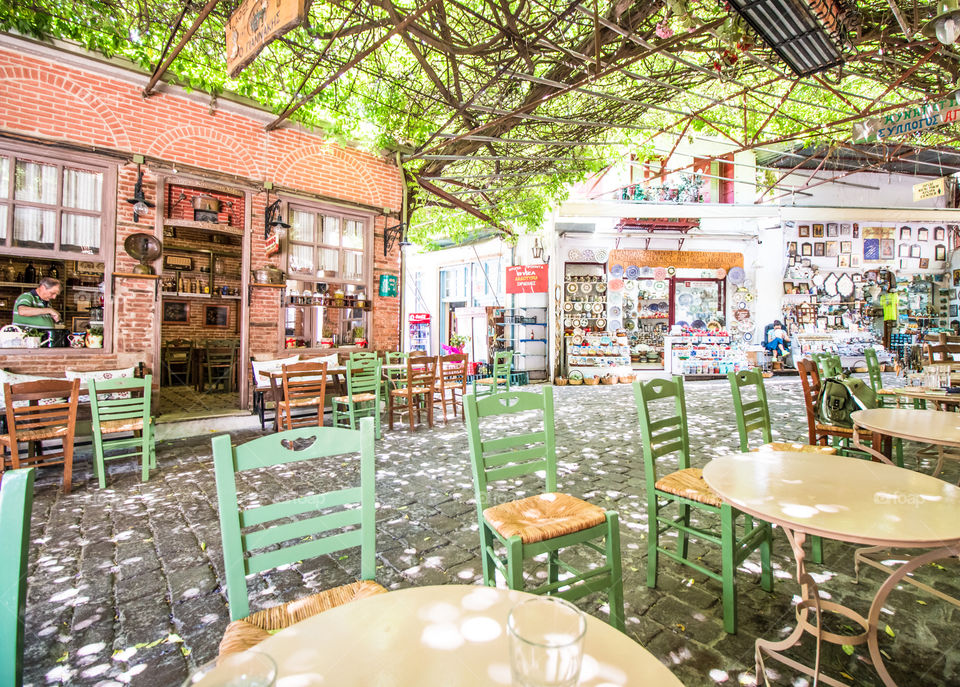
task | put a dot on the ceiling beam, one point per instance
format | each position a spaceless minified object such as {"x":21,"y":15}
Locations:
{"x":163,"y":66}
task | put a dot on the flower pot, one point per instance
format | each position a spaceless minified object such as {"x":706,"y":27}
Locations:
{"x":326,"y":343}
{"x":94,"y":340}
{"x":362,"y":343}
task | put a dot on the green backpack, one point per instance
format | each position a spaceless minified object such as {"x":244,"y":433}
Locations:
{"x":840,"y":397}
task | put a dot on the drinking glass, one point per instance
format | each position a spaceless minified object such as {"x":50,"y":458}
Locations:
{"x":546,"y":642}
{"x":245,"y":669}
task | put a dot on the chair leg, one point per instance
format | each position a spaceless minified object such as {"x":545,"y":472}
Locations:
{"x":486,"y":545}
{"x":615,"y":593}
{"x":429,"y":412}
{"x":515,"y":563}
{"x":410,"y":402}
{"x":728,"y":568}
{"x":766,"y":570}
{"x":816,"y":550}
{"x":652,"y":541}
{"x":67,"y":465}
{"x":684,"y":538}
{"x":390,"y":412}
{"x":145,"y":454}
{"x":553,"y":567}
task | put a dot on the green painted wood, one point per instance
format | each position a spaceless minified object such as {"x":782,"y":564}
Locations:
{"x":873,"y":371}
{"x":493,"y":460}
{"x":502,"y":363}
{"x":286,"y":448}
{"x":363,"y":377}
{"x":666,"y":397}
{"x":751,"y":415}
{"x":104,"y":407}
{"x":16,"y":507}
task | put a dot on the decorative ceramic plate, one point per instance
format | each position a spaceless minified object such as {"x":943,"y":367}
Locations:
{"x":601,"y":323}
{"x":568,"y":307}
{"x":597,"y":307}
{"x":671,"y":271}
{"x":698,"y":324}
{"x":616,"y":284}
{"x":573,"y":255}
{"x":684,"y":299}
{"x":629,"y":325}
{"x":632,"y":272}
{"x":747,"y":337}
{"x":616,"y":270}
{"x":659,"y":273}
{"x":653,"y":307}
{"x":748,"y":297}
{"x":600,"y":255}
{"x":572,"y":287}
{"x":845,"y":286}
{"x":721,"y":273}
{"x":614,"y":324}
{"x":646,"y":271}
{"x":578,"y":307}
{"x":567,"y":321}
{"x":577,"y":340}
{"x":736,"y":275}
{"x":600,"y":287}
{"x":659,"y":286}
{"x":587,"y":255}
{"x":742,"y":305}
{"x":586,"y":287}
{"x":830,"y":284}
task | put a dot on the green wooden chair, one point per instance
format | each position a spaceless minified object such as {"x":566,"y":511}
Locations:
{"x":543,"y":523}
{"x":686,"y":489}
{"x":363,"y":355}
{"x":873,"y":372}
{"x":500,"y":381}
{"x":16,"y":506}
{"x":363,"y":395}
{"x":393,"y":378}
{"x":263,"y":537}
{"x":121,"y":408}
{"x":828,"y":364}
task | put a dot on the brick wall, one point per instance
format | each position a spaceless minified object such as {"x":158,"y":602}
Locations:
{"x":42,"y":97}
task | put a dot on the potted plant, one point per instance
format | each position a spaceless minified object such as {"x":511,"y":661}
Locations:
{"x":326,"y":338}
{"x":31,"y":337}
{"x":94,"y":337}
{"x":458,"y":342}
{"x":358,"y":339}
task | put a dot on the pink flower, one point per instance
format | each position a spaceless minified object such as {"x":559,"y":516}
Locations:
{"x":663,"y":29}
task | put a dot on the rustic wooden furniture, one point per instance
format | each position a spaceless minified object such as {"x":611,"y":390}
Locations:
{"x":416,"y":392}
{"x":451,"y":382}
{"x":121,"y":407}
{"x":304,"y":389}
{"x":16,"y":507}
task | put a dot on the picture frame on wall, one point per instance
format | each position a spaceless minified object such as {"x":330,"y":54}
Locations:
{"x":956,"y":277}
{"x":939,"y":234}
{"x":216,"y":316}
{"x":806,"y":249}
{"x":855,"y":261}
{"x":792,"y":248}
{"x":803,"y":231}
{"x":819,"y":249}
{"x":832,"y":229}
{"x":846,"y":246}
{"x":833,"y":249}
{"x":940,"y":252}
{"x":915,"y":250}
{"x":905,"y":233}
{"x":81,"y":267}
{"x":923,"y":234}
{"x":176,"y":312}
{"x":818,"y":231}
{"x":953,"y":310}
{"x":856,"y":230}
{"x":886,"y":249}
{"x":788,"y":287}
{"x":845,"y":229}
{"x":843,"y":260}
{"x":78,"y":324}
{"x":924,"y":263}
{"x":903,"y":251}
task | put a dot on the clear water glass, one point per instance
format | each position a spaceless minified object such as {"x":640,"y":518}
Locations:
{"x":546,"y":642}
{"x":245,"y":669}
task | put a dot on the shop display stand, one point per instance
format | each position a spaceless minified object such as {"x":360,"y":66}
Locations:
{"x":708,"y":356}
{"x":524,"y":331}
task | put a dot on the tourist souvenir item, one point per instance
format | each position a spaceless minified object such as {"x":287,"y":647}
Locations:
{"x":600,"y":255}
{"x":845,"y":286}
{"x":573,"y":255}
{"x":659,"y":273}
{"x":616,"y":270}
{"x":671,"y":271}
{"x":572,"y":288}
{"x":632,"y":272}
{"x":616,"y":285}
{"x":736,"y":275}
{"x":587,"y":255}
{"x":586,"y":287}
{"x":600,"y":288}
{"x":568,"y":307}
{"x":601,"y":323}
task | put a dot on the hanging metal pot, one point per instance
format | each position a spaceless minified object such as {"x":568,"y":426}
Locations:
{"x":206,"y":203}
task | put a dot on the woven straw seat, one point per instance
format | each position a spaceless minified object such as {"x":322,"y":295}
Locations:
{"x":491,"y":380}
{"x":800,"y":448}
{"x":544,"y":516}
{"x":243,"y":634}
{"x":689,"y":484}
{"x":37,"y":434}
{"x":357,"y":398}
{"x":133,"y":424}
{"x":305,"y":402}
{"x":414,"y":390}
{"x":834,"y":429}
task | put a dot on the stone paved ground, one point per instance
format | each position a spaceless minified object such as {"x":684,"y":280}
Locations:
{"x":126,"y":583}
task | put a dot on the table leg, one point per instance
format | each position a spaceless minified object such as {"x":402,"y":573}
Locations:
{"x":876,"y":440}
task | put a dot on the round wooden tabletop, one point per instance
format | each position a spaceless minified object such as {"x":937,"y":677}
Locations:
{"x":922,"y":393}
{"x":837,"y":497}
{"x":926,"y":426}
{"x":438,"y":635}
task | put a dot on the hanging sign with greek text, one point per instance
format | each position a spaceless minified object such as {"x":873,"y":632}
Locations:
{"x":254,"y":24}
{"x":909,"y":120}
{"x":929,"y":189}
{"x":388,"y":285}
{"x":527,"y":279}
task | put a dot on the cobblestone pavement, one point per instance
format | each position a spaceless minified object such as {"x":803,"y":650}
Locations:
{"x":126,"y":584}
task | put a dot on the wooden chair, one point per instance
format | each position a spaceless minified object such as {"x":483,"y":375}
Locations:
{"x":544,"y":523}
{"x":304,"y":387}
{"x":686,"y":489}
{"x":873,"y":371}
{"x":220,"y":364}
{"x":941,"y":353}
{"x":363,"y":395}
{"x":818,"y":433}
{"x":178,"y":362}
{"x":296,"y":529}
{"x":16,"y":507}
{"x":394,"y":377}
{"x":37,"y":412}
{"x":500,"y":381}
{"x":121,"y":407}
{"x":364,"y":355}
{"x":416,"y":391}
{"x":451,"y":381}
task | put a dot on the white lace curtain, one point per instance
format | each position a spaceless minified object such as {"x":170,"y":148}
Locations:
{"x":82,"y":190}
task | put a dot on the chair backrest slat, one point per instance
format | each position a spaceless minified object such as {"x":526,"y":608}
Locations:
{"x":810,"y":383}
{"x":303,"y":383}
{"x":421,"y":371}
{"x":452,"y":370}
{"x":535,"y":450}
{"x":120,"y":399}
{"x":32,"y":417}
{"x":287,"y":448}
{"x":873,"y":368}
{"x":16,"y":506}
{"x":751,"y":415}
{"x":659,"y":444}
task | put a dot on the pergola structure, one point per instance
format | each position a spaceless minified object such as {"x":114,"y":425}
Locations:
{"x":493,"y":106}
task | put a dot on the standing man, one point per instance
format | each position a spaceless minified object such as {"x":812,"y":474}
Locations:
{"x":32,"y":309}
{"x":890,"y":300}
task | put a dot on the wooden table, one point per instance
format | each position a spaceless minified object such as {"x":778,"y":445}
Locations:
{"x":842,"y":498}
{"x":936,"y":427}
{"x":940,"y":398}
{"x":447,"y":635}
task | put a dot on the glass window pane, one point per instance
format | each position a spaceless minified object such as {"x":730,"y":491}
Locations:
{"x":302,"y":226}
{"x":331,"y":231}
{"x":353,"y":269}
{"x":353,"y":234}
{"x":4,"y":176}
{"x":36,"y":182}
{"x":329,"y":259}
{"x":3,"y":223}
{"x":81,"y":233}
{"x":300,"y":260}
{"x":82,"y":190}
{"x":33,"y":227}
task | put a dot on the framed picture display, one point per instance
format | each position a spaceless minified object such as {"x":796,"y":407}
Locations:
{"x":819,"y":249}
{"x":903,"y":251}
{"x":856,"y":230}
{"x":818,"y":231}
{"x":833,"y":249}
{"x":843,"y":260}
{"x":923,"y":234}
{"x":924,"y":263}
{"x":788,"y":287}
{"x":832,"y":229}
{"x":78,"y":324}
{"x":915,"y":250}
{"x":846,"y":246}
{"x":939,"y":234}
{"x":940,"y":252}
{"x":806,"y":249}
{"x":953,"y":310}
{"x":176,"y":312}
{"x":956,"y":277}
{"x":803,"y":231}
{"x":792,"y":248}
{"x":886,"y":249}
{"x":855,"y":261}
{"x":216,"y":316}
{"x":905,"y":233}
{"x":846,"y":229}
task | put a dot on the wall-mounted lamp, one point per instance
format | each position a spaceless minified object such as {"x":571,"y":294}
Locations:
{"x":538,"y":250}
{"x":141,"y":206}
{"x":946,"y":25}
{"x":273,"y":221}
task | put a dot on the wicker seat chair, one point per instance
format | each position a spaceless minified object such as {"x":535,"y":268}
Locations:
{"x":500,"y":379}
{"x":121,"y":407}
{"x":416,"y":391}
{"x":451,"y":382}
{"x":16,"y":507}
{"x":304,"y":389}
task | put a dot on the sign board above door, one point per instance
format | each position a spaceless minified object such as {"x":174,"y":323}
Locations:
{"x":254,"y":24}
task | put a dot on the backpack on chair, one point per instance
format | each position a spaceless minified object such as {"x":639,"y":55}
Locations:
{"x":842,"y":396}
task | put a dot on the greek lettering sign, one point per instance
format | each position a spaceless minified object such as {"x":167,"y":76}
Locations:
{"x":254,"y":24}
{"x":929,"y":189}
{"x":909,"y":120}
{"x":527,"y":279}
{"x":388,"y":285}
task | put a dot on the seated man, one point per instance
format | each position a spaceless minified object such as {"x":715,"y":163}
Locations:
{"x":778,"y":341}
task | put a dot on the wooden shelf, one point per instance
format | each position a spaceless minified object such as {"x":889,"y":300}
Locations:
{"x":267,"y":286}
{"x":129,"y":275}
{"x":228,"y":250}
{"x":205,"y":226}
{"x":174,"y":294}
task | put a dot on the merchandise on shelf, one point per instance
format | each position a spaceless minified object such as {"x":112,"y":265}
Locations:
{"x":600,"y":354}
{"x":704,"y":352}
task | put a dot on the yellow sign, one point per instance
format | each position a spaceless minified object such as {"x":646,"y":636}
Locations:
{"x":670,"y":258}
{"x":929,"y":189}
{"x":254,"y":24}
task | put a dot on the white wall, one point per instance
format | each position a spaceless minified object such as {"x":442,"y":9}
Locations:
{"x":858,"y":190}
